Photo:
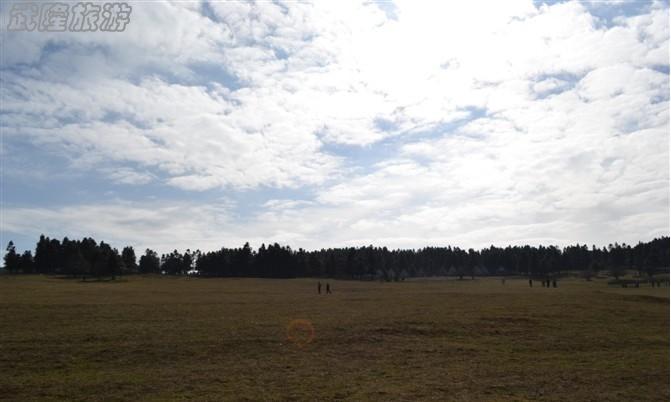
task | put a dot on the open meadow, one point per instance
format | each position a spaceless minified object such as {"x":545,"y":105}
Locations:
{"x":177,"y":338}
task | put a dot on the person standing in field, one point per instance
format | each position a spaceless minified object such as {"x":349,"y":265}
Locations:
{"x":319,"y":288}
{"x":531,"y":284}
{"x":328,"y":288}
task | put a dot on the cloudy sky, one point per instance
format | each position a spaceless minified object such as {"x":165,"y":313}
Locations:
{"x":208,"y":124}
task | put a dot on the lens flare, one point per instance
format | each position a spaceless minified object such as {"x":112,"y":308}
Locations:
{"x":301,"y":332}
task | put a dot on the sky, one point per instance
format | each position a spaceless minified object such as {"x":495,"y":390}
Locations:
{"x":402,"y":124}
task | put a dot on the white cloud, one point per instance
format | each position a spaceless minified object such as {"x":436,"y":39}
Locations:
{"x":158,"y":225}
{"x":544,"y":124}
{"x":129,"y":176}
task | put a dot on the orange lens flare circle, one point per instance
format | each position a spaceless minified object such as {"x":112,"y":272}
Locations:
{"x":301,"y":332}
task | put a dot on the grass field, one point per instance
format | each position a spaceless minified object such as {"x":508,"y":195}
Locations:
{"x":159,"y":338}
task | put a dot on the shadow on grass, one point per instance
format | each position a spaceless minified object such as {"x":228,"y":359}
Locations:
{"x":91,"y":279}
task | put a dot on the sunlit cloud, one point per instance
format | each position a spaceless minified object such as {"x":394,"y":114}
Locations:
{"x":345,"y":123}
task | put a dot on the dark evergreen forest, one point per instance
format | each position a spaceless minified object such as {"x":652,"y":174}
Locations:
{"x":87,"y":257}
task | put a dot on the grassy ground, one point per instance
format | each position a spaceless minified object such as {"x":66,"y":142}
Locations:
{"x":158,"y":338}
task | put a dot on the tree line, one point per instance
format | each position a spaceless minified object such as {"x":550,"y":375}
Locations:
{"x":86,"y":257}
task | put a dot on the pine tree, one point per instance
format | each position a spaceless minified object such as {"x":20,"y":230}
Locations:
{"x":12,"y":259}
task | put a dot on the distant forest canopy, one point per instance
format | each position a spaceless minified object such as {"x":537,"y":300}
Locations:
{"x":86,"y":257}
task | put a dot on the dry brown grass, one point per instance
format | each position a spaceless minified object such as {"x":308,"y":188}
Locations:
{"x":158,"y":338}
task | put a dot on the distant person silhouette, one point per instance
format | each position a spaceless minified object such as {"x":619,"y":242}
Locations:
{"x":554,"y":283}
{"x":319,"y":288}
{"x":531,"y":283}
{"x":328,"y":288}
